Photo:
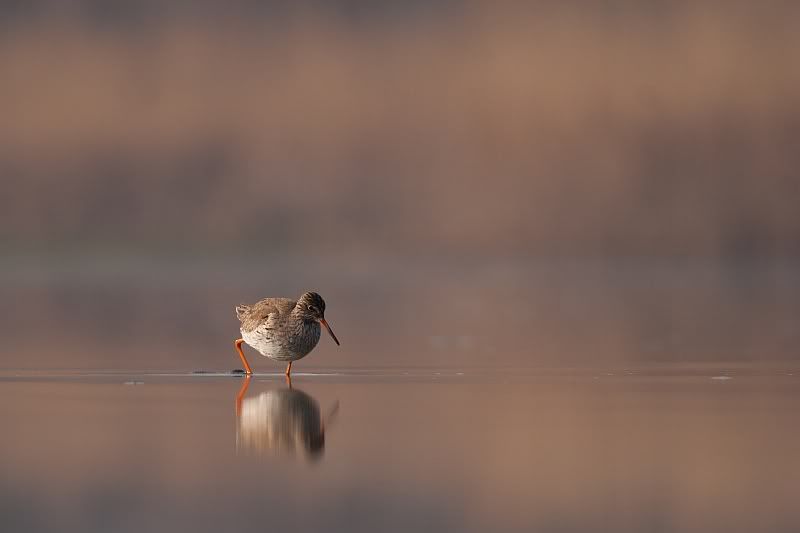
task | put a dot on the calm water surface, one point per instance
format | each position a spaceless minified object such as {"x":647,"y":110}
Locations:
{"x":446,"y":408}
{"x":665,"y":448}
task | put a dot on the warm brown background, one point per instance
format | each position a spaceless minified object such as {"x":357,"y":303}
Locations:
{"x":431,"y":170}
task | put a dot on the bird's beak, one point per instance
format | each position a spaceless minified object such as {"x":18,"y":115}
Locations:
{"x":325,"y":323}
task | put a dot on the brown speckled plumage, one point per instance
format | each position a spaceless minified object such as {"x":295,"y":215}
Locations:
{"x":281,"y":328}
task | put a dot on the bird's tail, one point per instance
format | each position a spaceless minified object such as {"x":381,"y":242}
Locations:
{"x":241,"y":311}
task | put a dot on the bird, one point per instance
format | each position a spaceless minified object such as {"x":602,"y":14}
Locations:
{"x":281,"y":328}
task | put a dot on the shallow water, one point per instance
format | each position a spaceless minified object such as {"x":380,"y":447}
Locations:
{"x":659,"y":448}
{"x":466,"y":396}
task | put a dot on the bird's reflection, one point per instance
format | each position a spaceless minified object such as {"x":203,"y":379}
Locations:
{"x":281,"y":421}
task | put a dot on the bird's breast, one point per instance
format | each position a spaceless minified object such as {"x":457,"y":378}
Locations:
{"x":287,"y":343}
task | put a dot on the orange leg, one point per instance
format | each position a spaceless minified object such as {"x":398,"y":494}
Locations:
{"x":238,"y":344}
{"x":240,"y":395}
{"x":289,"y":370}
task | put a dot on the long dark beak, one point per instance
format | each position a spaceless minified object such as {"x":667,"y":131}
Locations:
{"x":325,"y":323}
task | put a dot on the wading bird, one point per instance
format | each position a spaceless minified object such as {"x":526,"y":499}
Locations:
{"x":281,"y":328}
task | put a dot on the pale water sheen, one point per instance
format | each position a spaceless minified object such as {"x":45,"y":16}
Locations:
{"x":659,"y":448}
{"x":466,"y":396}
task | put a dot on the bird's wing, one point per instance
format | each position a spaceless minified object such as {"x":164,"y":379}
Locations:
{"x":265,"y":311}
{"x":242,"y":311}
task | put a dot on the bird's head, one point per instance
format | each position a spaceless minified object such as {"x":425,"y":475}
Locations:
{"x":310,"y":307}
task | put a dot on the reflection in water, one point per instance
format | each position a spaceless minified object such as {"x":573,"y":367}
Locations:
{"x":666,"y":449}
{"x":280,"y":421}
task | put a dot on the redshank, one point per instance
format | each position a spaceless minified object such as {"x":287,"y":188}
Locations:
{"x":281,"y":328}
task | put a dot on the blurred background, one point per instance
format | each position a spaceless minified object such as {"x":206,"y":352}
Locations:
{"x":466,"y":183}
